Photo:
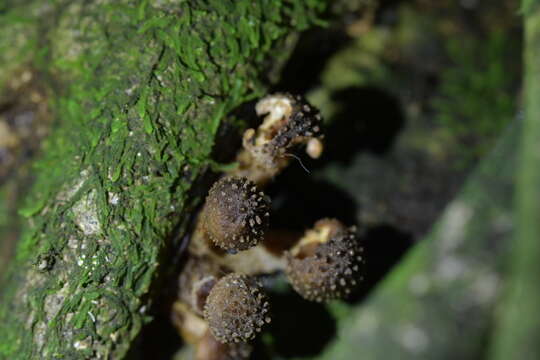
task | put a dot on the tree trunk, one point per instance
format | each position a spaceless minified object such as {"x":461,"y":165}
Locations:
{"x":137,"y":92}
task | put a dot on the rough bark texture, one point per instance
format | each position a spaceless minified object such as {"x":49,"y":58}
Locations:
{"x":137,"y":90}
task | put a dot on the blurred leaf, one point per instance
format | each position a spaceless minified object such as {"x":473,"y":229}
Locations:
{"x":517,"y":333}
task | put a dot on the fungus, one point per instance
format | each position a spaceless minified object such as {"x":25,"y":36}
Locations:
{"x":236,"y":309}
{"x":327,"y":263}
{"x":289,"y":121}
{"x":197,"y":278}
{"x":220,"y":314}
{"x":209,"y":348}
{"x":235,"y":215}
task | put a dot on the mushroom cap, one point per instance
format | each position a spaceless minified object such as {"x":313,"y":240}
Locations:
{"x":236,"y":214}
{"x":236,"y":309}
{"x":327,"y":263}
{"x":291,"y":120}
{"x":304,"y":123}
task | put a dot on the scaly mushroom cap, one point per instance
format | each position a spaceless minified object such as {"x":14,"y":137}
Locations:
{"x":235,"y":214}
{"x":288,"y":121}
{"x":236,"y":309}
{"x":327,"y":263}
{"x":291,"y":120}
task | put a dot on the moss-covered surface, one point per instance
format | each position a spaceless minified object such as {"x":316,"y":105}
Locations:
{"x":138,"y":91}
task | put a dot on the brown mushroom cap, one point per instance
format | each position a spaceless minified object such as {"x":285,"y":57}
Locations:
{"x":291,"y":120}
{"x":236,"y":214}
{"x":327,"y":263}
{"x":303,"y":124}
{"x":236,"y":309}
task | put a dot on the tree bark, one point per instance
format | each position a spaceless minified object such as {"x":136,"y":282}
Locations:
{"x":137,"y":91}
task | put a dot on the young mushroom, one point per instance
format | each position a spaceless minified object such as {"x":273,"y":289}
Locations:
{"x":327,"y":263}
{"x":236,"y":309}
{"x":235,"y":214}
{"x":289,"y":121}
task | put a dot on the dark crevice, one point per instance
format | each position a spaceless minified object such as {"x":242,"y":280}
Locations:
{"x":299,"y":328}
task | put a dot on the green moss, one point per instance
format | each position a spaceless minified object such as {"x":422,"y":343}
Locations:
{"x":140,"y":93}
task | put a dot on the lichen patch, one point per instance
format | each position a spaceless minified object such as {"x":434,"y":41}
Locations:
{"x":86,"y":214}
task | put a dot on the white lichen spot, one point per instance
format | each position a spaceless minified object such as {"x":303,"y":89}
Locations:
{"x":129,"y":91}
{"x":43,"y":264}
{"x":73,"y":243}
{"x":83,"y":344}
{"x":114,"y":199}
{"x":86,"y":215}
{"x":114,"y":336}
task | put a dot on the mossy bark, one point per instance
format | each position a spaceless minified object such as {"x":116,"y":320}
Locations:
{"x":137,"y":90}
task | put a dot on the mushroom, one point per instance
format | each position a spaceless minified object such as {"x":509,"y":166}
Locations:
{"x":209,"y":348}
{"x":327,"y":263}
{"x":235,"y":215}
{"x":236,"y":309}
{"x":220,"y":307}
{"x":290,"y":120}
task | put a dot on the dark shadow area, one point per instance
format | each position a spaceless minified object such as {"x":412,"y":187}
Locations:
{"x":368,"y":119}
{"x":315,"y":47}
{"x":298,"y":201}
{"x":228,"y":140}
{"x":385,"y":246}
{"x":299,"y":328}
{"x":157,"y":340}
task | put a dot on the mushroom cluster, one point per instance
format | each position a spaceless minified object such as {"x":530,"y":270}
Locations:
{"x":221,"y":306}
